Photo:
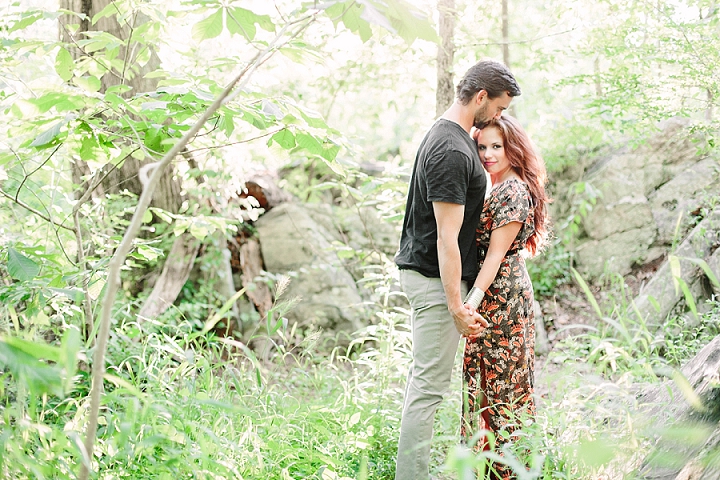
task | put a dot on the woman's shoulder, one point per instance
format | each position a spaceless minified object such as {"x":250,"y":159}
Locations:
{"x":511,"y":188}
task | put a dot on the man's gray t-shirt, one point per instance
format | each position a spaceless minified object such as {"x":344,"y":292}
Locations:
{"x":447,"y":169}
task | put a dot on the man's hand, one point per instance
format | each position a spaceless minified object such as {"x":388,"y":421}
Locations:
{"x":468,"y":322}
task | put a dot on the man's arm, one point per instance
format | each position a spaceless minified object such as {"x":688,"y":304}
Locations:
{"x":449,"y":218}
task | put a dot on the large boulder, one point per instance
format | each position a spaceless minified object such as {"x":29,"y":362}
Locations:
{"x":294,"y":243}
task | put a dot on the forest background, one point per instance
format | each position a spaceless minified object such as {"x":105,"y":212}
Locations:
{"x":107,"y":104}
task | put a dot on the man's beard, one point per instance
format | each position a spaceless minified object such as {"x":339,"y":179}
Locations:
{"x":481,"y":121}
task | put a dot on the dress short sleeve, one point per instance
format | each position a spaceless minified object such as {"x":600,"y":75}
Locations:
{"x":512,"y":203}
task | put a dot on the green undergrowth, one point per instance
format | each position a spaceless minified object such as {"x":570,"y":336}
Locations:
{"x":204,"y":408}
{"x":181,"y":405}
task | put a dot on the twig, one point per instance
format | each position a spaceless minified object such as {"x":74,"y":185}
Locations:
{"x":526,"y":41}
{"x":127,"y":47}
{"x":118,"y":259}
{"x":87,"y":307}
{"x":32,"y":210}
{"x":92,"y":57}
{"x":247,"y":140}
{"x":28,"y":175}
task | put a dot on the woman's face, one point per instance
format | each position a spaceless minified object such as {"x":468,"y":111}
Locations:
{"x":492,"y":152}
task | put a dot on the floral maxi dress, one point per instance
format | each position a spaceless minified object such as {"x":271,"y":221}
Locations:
{"x":498,"y":365}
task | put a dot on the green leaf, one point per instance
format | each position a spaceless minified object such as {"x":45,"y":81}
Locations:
{"x":26,"y":19}
{"x":211,"y":27}
{"x":242,"y":22}
{"x":69,"y":350}
{"x":21,"y":267}
{"x":313,"y":119}
{"x":409,"y":22}
{"x":355,"y":23}
{"x":64,"y":64}
{"x":89,"y":83}
{"x":239,"y":21}
{"x":74,"y":294}
{"x":330,"y":151}
{"x":284,"y":138}
{"x":110,"y":9}
{"x":6,"y":158}
{"x":588,"y":293}
{"x":37,"y":350}
{"x":39,"y":377}
{"x":48,"y":135}
{"x":309,"y":143}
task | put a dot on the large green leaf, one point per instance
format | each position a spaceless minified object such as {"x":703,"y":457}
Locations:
{"x":26,"y":19}
{"x":211,"y":27}
{"x":39,"y":377}
{"x":350,"y":14}
{"x":409,"y":22}
{"x":284,"y":138}
{"x":396,"y":16}
{"x":37,"y":350}
{"x":309,"y":143}
{"x":21,"y":267}
{"x":88,"y":82}
{"x":64,"y":64}
{"x":241,"y":21}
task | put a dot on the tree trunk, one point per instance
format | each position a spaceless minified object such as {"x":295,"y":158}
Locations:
{"x":709,"y":109}
{"x":174,"y":274}
{"x":445,"y":93}
{"x":131,"y":73}
{"x":136,"y":62}
{"x":506,"y":42}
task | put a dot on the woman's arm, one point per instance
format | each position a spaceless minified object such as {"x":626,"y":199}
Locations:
{"x":500,"y":241}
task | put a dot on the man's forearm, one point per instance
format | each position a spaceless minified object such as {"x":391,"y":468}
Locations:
{"x":450,"y":273}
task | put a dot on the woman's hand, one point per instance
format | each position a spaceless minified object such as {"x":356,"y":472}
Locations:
{"x":468,"y":321}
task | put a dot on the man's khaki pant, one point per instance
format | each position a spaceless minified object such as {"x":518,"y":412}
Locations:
{"x":435,"y":343}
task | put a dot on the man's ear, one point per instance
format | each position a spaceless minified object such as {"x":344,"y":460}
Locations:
{"x":480,"y":96}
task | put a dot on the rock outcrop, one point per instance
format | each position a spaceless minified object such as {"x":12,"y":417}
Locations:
{"x":693,"y":269}
{"x":650,"y":197}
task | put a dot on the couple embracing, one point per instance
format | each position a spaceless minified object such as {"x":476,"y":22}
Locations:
{"x":476,"y":207}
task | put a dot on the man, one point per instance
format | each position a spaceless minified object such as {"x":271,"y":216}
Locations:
{"x":438,"y":258}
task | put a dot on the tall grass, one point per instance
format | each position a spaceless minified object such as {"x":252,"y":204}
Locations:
{"x":182,"y":405}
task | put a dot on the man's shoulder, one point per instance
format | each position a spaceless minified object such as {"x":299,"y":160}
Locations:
{"x":446,"y":137}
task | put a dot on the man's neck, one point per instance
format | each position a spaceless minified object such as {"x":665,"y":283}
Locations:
{"x":459,"y":114}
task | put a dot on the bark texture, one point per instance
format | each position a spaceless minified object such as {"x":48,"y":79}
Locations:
{"x":445,"y":92}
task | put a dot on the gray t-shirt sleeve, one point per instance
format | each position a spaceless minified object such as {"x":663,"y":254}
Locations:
{"x":447,"y":178}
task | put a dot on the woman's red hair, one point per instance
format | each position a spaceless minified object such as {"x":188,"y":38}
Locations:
{"x":529,"y":165}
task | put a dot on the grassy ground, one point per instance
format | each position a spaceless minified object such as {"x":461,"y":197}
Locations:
{"x":179,"y":406}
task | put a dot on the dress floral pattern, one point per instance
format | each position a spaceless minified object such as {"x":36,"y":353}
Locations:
{"x":498,"y":365}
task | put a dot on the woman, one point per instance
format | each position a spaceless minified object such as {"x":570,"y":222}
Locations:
{"x":498,"y":364}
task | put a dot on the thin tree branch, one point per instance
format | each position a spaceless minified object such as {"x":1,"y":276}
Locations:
{"x":92,"y":57}
{"x":247,"y":140}
{"x":87,"y":307}
{"x":32,"y":210}
{"x":118,"y":259}
{"x":525,"y":41}
{"x":28,"y":175}
{"x":127,"y":47}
